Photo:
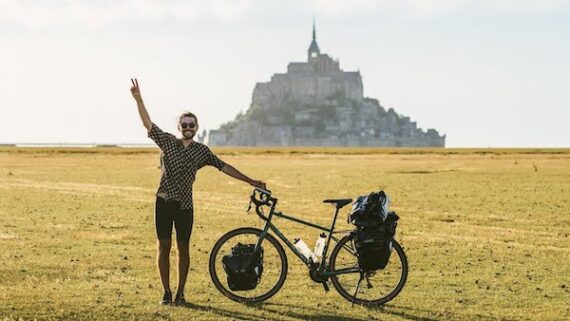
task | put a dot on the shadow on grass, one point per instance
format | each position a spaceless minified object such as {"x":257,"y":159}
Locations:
{"x":224,"y":313}
{"x":398,"y":311}
{"x":312,"y":314}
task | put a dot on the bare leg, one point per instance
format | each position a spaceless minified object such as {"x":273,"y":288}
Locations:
{"x":183,"y":264}
{"x":163,"y":262}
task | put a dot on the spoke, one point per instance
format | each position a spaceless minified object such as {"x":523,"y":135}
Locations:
{"x":349,"y":250}
{"x":381,"y":285}
{"x":272,"y":266}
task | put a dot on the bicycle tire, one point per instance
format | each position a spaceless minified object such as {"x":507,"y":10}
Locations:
{"x":384,"y":298}
{"x":215,"y":263}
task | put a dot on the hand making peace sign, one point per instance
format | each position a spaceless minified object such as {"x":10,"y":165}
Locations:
{"x":135,"y":89}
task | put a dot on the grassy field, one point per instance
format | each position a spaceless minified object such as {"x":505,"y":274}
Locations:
{"x":486,"y":232}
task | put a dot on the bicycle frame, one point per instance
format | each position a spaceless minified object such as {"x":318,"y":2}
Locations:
{"x":322,"y":264}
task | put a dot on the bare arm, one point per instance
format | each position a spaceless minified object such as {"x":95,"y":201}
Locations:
{"x":231,"y":171}
{"x":136,"y":91}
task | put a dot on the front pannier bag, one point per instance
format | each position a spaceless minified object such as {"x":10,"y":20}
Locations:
{"x":243,"y":267}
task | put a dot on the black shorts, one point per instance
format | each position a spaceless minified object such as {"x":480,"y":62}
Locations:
{"x":168,"y":212}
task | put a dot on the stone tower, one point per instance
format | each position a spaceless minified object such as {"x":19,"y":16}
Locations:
{"x":314,"y":50}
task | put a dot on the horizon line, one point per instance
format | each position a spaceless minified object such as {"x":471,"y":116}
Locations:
{"x":128,"y":145}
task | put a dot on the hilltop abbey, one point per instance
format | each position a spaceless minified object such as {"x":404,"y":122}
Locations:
{"x":315,"y":103}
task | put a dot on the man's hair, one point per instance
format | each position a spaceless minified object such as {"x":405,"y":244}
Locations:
{"x":187,"y":114}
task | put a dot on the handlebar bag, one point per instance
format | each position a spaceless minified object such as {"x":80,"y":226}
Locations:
{"x":374,"y":244}
{"x":243,"y":267}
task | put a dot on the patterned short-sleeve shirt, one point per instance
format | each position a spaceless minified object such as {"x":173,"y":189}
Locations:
{"x":179,"y":165}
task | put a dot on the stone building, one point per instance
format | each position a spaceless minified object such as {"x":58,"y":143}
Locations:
{"x":316,"y":103}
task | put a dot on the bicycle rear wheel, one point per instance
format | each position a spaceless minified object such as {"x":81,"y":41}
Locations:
{"x":274,"y":265}
{"x":367,"y":288}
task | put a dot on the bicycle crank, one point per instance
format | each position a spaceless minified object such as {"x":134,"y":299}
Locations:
{"x":319,"y":278}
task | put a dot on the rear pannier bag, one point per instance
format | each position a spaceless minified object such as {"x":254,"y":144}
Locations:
{"x":373,"y":248}
{"x":243,"y":267}
{"x":374,"y":244}
{"x":375,"y":230}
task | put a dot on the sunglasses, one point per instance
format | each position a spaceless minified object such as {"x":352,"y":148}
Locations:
{"x":188,"y":125}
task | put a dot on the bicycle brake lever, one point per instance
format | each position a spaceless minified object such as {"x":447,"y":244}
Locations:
{"x":249,"y":206}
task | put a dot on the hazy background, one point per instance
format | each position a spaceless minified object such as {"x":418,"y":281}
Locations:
{"x":485,"y":73}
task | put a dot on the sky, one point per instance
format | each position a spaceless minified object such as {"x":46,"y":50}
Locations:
{"x":484,"y":73}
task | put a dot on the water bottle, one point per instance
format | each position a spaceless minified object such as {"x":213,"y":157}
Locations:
{"x":320,"y":245}
{"x":305,"y":250}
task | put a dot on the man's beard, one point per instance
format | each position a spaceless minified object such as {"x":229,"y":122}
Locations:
{"x":188,"y":134}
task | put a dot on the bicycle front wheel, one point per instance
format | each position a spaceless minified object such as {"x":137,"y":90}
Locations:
{"x":274,"y":265}
{"x":367,"y":288}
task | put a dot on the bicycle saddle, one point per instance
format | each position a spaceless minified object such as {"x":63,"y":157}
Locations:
{"x":339,"y":202}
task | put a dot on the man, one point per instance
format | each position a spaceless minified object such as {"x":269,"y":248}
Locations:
{"x":180,"y":159}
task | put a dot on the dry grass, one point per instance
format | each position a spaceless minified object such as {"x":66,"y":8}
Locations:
{"x":486,"y":232}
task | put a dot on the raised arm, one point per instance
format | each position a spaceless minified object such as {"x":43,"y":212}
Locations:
{"x":136,"y":91}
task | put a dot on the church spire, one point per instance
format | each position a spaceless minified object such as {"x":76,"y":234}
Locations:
{"x":314,"y":50}
{"x":314,"y":29}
